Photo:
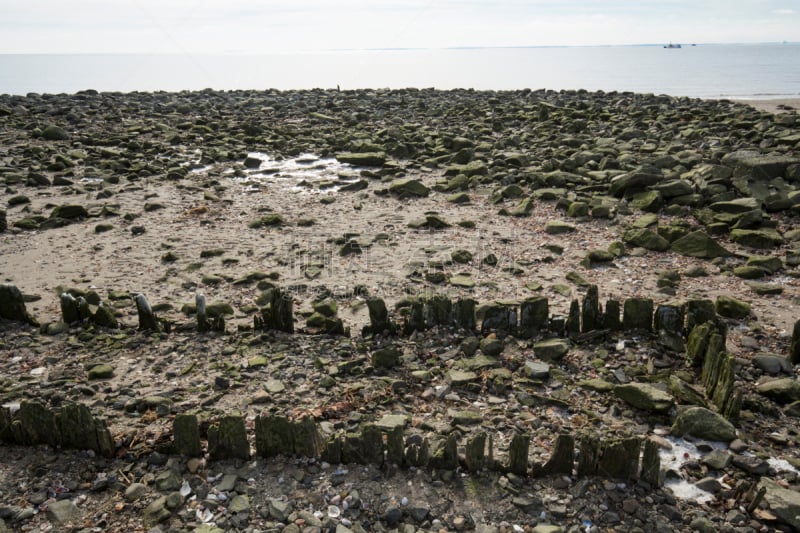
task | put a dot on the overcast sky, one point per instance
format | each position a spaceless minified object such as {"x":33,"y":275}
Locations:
{"x":253,"y":26}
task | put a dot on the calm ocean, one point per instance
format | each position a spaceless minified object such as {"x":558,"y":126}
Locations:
{"x":705,"y":71}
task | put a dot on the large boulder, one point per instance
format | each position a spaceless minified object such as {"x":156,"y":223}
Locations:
{"x":702,"y":423}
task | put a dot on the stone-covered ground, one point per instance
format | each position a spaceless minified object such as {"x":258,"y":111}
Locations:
{"x":332,"y":196}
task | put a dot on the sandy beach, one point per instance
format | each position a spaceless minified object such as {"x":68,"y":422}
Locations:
{"x":777,"y":105}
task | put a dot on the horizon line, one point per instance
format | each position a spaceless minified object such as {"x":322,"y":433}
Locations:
{"x":397,"y":49}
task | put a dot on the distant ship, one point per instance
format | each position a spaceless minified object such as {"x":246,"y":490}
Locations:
{"x":670,"y":45}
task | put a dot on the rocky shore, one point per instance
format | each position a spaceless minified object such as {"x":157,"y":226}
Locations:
{"x":398,"y":310}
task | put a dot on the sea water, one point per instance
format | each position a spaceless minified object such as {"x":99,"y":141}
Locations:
{"x":704,"y":71}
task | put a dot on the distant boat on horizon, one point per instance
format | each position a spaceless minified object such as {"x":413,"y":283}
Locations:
{"x":670,"y":45}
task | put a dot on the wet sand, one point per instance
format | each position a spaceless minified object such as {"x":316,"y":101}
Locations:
{"x":777,"y":105}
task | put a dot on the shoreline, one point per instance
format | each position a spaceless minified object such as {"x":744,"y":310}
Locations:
{"x":771,"y":105}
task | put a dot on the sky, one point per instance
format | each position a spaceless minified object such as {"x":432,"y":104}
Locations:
{"x":278,"y":26}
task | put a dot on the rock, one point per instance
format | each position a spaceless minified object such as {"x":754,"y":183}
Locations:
{"x":102,"y":371}
{"x":461,"y":256}
{"x":491,"y":346}
{"x":717,"y":459}
{"x":362,"y":159}
{"x":784,"y":503}
{"x":651,"y":201}
{"x":699,"y":244}
{"x":12,"y":305}
{"x":460,"y":378}
{"x":252,"y":162}
{"x":763,"y":239}
{"x":731,"y":307}
{"x":645,"y":396}
{"x":553,"y":349}
{"x":135,"y":491}
{"x":64,"y":513}
{"x":784,"y":390}
{"x":386,"y":358}
{"x":636,"y":180}
{"x":536,"y":370}
{"x":55,"y":133}
{"x":769,"y":263}
{"x":547,"y":528}
{"x":69,"y":212}
{"x":265,"y":221}
{"x":280,"y":509}
{"x":749,"y":272}
{"x":523,"y":208}
{"x":684,"y":392}
{"x":104,"y":317}
{"x":156,"y":512}
{"x":578,"y":209}
{"x":389,"y":423}
{"x":239,"y":503}
{"x":408,"y":188}
{"x":459,"y":198}
{"x":647,"y":239}
{"x":168,"y":481}
{"x":702,"y":423}
{"x":556,"y":227}
{"x":772,"y":363}
{"x":739,"y":205}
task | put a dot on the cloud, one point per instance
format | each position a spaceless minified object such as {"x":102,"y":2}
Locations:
{"x":784,"y":12}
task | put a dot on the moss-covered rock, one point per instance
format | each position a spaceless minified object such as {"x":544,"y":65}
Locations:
{"x":731,"y":307}
{"x":362,"y":159}
{"x":699,"y":244}
{"x":55,"y":133}
{"x":702,"y":423}
{"x":557,"y":227}
{"x":408,"y":188}
{"x":763,"y":239}
{"x":645,"y":238}
{"x":69,"y":212}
